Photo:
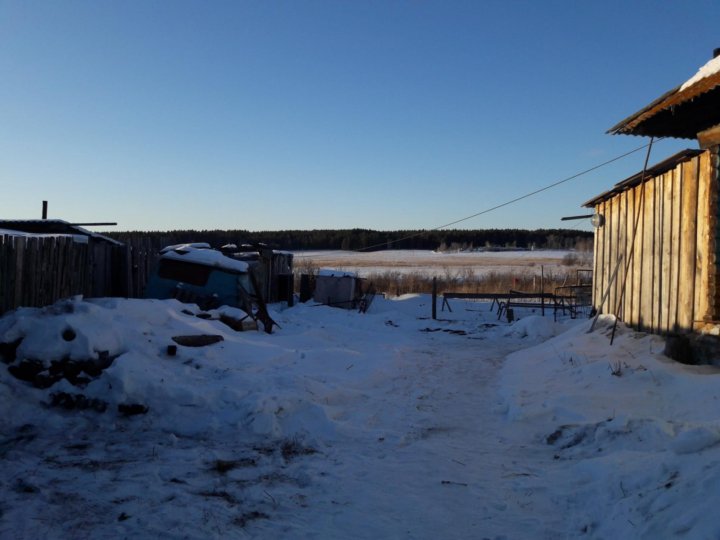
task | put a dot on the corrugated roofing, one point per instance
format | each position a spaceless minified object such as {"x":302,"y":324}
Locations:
{"x":52,"y":226}
{"x":681,"y":112}
{"x":635,"y":179}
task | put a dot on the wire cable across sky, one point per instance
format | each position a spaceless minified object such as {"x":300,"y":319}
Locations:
{"x":516,"y":199}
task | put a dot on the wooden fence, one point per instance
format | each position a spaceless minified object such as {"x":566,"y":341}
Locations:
{"x":143,"y":258}
{"x":37,"y":270}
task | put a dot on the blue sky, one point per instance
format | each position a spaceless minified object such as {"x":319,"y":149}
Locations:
{"x":329,"y":114}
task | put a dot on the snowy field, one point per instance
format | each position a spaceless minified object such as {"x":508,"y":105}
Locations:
{"x":346,"y":425}
{"x":433,"y":263}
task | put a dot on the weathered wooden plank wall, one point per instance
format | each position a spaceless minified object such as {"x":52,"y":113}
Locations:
{"x":37,"y":271}
{"x":672,"y":275}
{"x":143,"y":260}
{"x":714,"y":234}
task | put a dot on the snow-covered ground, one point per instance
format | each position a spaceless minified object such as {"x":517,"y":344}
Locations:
{"x":345,"y":425}
{"x":441,"y":264}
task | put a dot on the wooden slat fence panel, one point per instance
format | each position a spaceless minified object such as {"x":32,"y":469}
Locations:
{"x":39,"y":270}
{"x":657,"y":254}
{"x":688,"y":237}
{"x":598,"y":270}
{"x":702,"y":242}
{"x":667,"y":246}
{"x":614,"y":226}
{"x":637,"y":254}
{"x":675,"y":241}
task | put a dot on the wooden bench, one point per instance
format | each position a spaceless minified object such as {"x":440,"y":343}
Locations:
{"x":521,"y":299}
{"x":495,"y":297}
{"x":569,"y":301}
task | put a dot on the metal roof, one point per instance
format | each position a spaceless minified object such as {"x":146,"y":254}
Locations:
{"x":677,"y":113}
{"x":52,"y":226}
{"x":651,"y":172}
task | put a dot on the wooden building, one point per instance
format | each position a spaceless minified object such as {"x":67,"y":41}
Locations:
{"x":656,"y":241}
{"x":42,"y":261}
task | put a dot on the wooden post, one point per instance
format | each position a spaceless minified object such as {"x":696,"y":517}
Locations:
{"x":688,"y":240}
{"x":44,"y":210}
{"x":20,"y":244}
{"x":305,"y":288}
{"x":434,"y":299}
{"x":290,"y":286}
{"x":542,"y":290}
{"x":702,"y":253}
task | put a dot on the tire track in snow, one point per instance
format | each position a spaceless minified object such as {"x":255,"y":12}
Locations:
{"x":436,"y":459}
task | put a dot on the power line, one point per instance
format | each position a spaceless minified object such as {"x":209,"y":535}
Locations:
{"x":513,"y":201}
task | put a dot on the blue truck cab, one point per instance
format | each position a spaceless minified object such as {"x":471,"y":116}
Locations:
{"x":196,"y":273}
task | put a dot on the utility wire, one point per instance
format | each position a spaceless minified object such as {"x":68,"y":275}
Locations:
{"x":513,"y":201}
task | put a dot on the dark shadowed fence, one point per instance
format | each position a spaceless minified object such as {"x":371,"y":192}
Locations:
{"x":143,"y":258}
{"x":39,"y":270}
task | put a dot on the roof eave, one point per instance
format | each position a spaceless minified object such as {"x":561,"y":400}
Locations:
{"x":637,"y":178}
{"x":633,"y":124}
{"x":622,"y":126}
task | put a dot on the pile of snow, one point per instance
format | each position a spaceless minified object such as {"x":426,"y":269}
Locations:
{"x":636,"y":435}
{"x":202,"y":253}
{"x":534,"y":327}
{"x":190,"y":393}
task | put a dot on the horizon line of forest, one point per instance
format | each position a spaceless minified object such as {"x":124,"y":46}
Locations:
{"x":360,"y":239}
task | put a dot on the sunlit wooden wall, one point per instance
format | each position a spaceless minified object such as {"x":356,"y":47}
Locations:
{"x":670,"y":281}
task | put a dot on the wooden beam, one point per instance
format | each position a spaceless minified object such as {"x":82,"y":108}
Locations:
{"x":647,"y":298}
{"x":677,"y":202}
{"x":629,"y":196}
{"x":637,"y":281}
{"x":597,"y":269}
{"x":611,"y":224}
{"x":702,"y":255}
{"x":709,"y":137}
{"x":688,"y":244}
{"x":667,"y":252}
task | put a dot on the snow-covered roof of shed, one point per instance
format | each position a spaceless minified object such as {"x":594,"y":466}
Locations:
{"x":682,"y":112}
{"x":711,"y":68}
{"x":186,"y":247}
{"x":201,"y":253}
{"x":78,"y":238}
{"x":52,"y":227}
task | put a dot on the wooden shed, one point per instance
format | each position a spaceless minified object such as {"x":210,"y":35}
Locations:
{"x":42,"y":261}
{"x":656,"y":241}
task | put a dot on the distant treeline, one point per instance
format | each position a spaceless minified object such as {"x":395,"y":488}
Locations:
{"x":357,"y":239}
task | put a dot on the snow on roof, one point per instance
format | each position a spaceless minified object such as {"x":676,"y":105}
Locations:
{"x":201,"y":253}
{"x":52,"y":227}
{"x":77,"y":238}
{"x":711,"y":68}
{"x":682,"y":112}
{"x":181,"y":247}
